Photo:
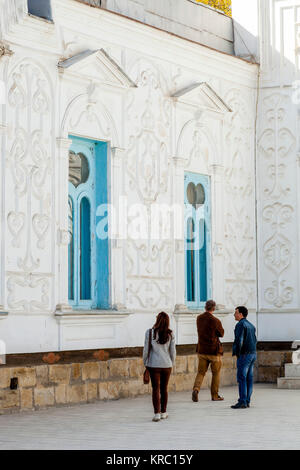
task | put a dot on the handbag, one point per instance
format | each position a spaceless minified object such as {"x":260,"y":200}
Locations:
{"x":146,"y":375}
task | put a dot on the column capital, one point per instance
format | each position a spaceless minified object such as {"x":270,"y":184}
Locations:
{"x":63,"y":237}
{"x":118,"y":154}
{"x":3,"y":129}
{"x":217,"y":169}
{"x":180,"y":162}
{"x":5,"y":50}
{"x":63,"y":143}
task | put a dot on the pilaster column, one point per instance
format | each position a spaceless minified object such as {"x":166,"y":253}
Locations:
{"x":178,"y":191}
{"x":218,"y":288}
{"x":118,"y":229}
{"x":5,"y":54}
{"x":2,"y":217}
{"x":63,"y":146}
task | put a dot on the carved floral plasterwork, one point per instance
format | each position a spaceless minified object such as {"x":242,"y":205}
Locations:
{"x":149,"y":295}
{"x":196,"y":144}
{"x":148,"y":180}
{"x":29,"y":164}
{"x":38,"y":285}
{"x":239,"y":190}
{"x":276,"y":146}
{"x":240,"y":293}
{"x":87,"y":115}
{"x":278,"y":251}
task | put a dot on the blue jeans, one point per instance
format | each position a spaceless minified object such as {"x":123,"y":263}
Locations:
{"x":245,"y":365}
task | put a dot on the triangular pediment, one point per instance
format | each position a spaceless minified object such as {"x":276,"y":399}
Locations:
{"x":202,"y":96}
{"x":97,"y":66}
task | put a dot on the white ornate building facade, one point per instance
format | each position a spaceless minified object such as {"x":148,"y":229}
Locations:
{"x":162,"y":109}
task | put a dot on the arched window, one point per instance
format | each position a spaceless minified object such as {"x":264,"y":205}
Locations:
{"x":197,"y":239}
{"x":88,"y":254}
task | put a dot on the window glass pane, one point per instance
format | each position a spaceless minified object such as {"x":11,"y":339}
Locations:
{"x":191,"y":193}
{"x":85,"y":249}
{"x":190,"y":261}
{"x":200,"y":195}
{"x":78,"y":168}
{"x":71,"y":249}
{"x":195,"y":194}
{"x":203,"y":261}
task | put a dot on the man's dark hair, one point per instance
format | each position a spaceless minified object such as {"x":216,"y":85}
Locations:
{"x":243,"y":311}
{"x":210,"y":305}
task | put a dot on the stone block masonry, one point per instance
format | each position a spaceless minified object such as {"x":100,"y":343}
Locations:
{"x":42,"y":386}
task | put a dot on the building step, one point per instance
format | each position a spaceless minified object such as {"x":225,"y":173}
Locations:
{"x":292,"y":383}
{"x":292,"y":370}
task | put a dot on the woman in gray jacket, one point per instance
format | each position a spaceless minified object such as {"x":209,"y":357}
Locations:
{"x":159,"y":362}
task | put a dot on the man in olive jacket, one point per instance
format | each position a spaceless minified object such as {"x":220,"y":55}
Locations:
{"x":209,"y":350}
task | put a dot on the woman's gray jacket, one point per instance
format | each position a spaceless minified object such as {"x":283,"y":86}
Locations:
{"x":161,"y":355}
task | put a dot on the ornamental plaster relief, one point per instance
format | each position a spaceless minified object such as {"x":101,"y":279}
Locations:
{"x":195,"y":144}
{"x":29,"y":173}
{"x":239,"y":207}
{"x":149,"y":295}
{"x":148,"y":181}
{"x":276,"y":149}
{"x":86,"y":115}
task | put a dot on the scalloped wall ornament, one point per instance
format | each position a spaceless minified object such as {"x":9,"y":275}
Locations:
{"x":30,"y":171}
{"x":276,"y":146}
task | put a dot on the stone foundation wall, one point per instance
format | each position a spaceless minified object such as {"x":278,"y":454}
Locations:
{"x":270,"y":365}
{"x":41,"y":386}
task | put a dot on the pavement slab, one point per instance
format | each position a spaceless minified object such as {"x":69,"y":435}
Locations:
{"x":272,"y":422}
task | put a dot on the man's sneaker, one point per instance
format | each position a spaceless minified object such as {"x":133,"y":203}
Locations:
{"x":163,"y":415}
{"x":238,"y":405}
{"x":248,"y":405}
{"x":156,"y":417}
{"x":195,"y":395}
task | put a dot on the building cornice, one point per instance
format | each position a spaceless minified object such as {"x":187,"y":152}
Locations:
{"x":161,"y":44}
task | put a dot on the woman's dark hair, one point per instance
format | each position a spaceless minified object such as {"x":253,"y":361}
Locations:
{"x":161,"y":328}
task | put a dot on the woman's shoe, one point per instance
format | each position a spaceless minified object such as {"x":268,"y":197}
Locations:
{"x":163,"y":415}
{"x":156,"y":417}
{"x":218,"y":398}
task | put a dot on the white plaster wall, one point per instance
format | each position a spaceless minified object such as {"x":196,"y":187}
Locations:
{"x":44,"y":106}
{"x":278,"y":172}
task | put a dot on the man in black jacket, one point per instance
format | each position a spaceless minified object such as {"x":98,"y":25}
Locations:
{"x":244,"y":347}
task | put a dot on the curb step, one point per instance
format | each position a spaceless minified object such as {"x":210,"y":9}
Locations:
{"x":292,"y":383}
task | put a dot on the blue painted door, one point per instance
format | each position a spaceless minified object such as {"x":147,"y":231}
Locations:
{"x":197,"y":239}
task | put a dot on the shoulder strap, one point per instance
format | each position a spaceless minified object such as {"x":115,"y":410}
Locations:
{"x":149,"y":343}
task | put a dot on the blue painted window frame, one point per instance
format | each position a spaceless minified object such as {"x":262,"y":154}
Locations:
{"x":95,"y":263}
{"x":201,"y":272}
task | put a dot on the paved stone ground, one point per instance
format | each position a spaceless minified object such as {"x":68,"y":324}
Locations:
{"x":273,"y":422}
